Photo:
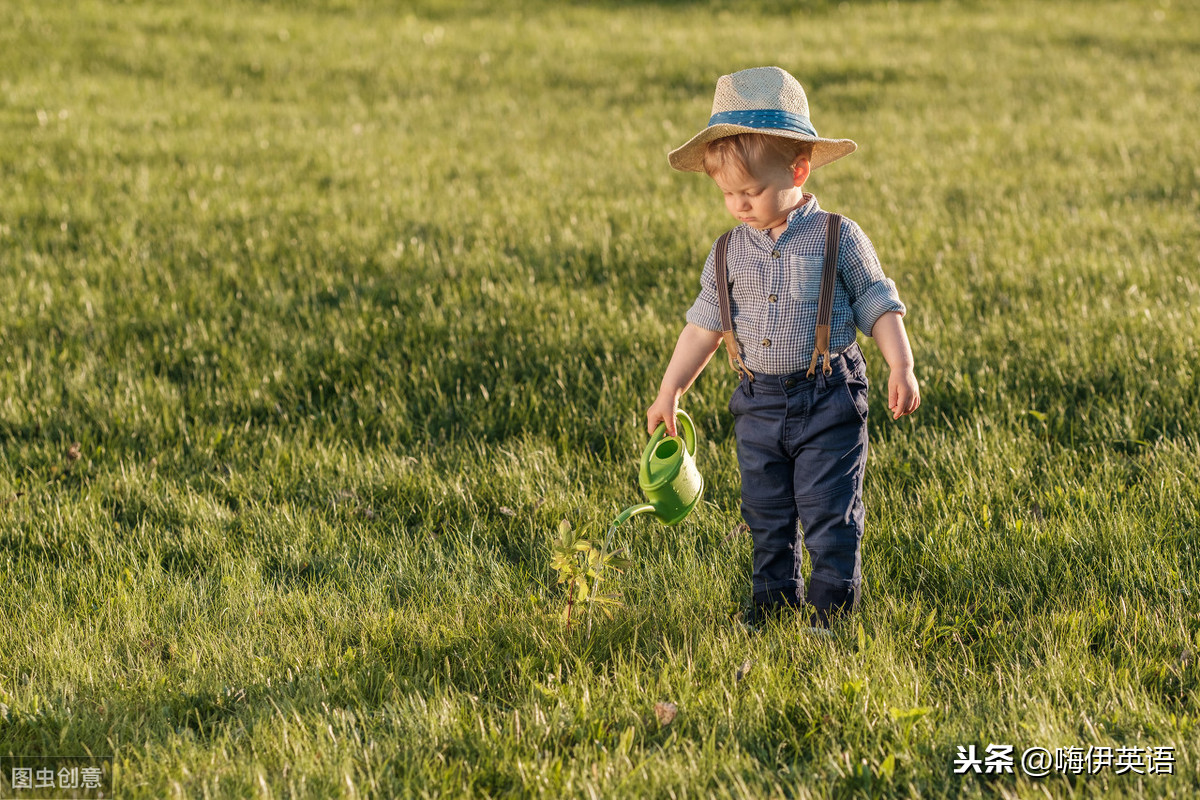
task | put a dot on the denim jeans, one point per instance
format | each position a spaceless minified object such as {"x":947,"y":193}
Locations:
{"x":802,"y":452}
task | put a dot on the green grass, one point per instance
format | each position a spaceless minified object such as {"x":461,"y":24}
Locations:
{"x":348,"y":305}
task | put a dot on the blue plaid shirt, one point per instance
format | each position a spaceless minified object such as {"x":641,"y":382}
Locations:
{"x":775,"y":287}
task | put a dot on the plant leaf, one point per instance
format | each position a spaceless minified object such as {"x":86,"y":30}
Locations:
{"x":906,"y":714}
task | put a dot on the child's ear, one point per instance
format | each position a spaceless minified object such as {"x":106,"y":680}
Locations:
{"x":800,"y":169}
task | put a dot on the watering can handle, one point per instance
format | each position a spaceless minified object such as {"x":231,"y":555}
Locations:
{"x":688,"y":429}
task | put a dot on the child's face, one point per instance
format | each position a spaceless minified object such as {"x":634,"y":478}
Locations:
{"x":762,"y":200}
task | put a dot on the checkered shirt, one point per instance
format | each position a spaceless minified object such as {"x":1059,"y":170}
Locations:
{"x":775,"y":287}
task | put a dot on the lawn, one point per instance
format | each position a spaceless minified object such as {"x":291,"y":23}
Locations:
{"x":318,"y":319}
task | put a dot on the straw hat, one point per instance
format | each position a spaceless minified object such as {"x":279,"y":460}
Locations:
{"x":760,"y":100}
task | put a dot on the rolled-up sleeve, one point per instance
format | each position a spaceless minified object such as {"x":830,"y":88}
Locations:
{"x":705,"y":311}
{"x":871,"y":293}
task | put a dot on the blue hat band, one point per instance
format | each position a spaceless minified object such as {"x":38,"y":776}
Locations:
{"x":766,"y":118}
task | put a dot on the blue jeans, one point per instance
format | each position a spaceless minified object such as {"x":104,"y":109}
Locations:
{"x":802,"y":451}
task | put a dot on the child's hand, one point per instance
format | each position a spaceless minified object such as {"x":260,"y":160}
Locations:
{"x":693,"y":350}
{"x":663,"y":410}
{"x":904,"y":395}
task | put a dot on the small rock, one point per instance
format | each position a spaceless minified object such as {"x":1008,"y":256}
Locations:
{"x":665,"y":712}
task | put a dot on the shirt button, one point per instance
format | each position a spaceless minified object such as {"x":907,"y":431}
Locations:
{"x":775,"y":254}
{"x":773,"y":298}
{"x":766,"y":342}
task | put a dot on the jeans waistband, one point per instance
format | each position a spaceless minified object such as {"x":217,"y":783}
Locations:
{"x":848,"y":362}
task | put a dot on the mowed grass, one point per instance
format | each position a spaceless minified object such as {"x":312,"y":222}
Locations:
{"x":317,"y":319}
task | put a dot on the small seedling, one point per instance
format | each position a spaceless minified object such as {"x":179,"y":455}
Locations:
{"x":581,"y":566}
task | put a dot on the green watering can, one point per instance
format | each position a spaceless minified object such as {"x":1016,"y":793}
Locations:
{"x":668,"y":475}
{"x":669,"y":479}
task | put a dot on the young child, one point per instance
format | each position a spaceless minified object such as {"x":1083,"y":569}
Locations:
{"x":801,"y":432}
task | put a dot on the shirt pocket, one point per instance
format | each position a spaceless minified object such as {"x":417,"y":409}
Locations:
{"x":804,"y":276}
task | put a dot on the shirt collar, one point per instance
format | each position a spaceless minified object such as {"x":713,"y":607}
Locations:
{"x":805,"y":212}
{"x":807,"y":208}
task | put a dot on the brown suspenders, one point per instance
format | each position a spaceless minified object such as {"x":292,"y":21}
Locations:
{"x":833,"y":231}
{"x":833,"y":227}
{"x":731,"y":346}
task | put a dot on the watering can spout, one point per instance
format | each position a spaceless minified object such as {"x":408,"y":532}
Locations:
{"x":633,"y":511}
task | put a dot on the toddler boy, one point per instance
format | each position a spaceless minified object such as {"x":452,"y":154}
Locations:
{"x":800,"y":409}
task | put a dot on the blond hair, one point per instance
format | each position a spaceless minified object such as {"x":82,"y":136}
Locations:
{"x":752,"y":153}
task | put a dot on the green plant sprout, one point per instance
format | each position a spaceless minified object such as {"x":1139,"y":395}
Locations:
{"x":581,"y":566}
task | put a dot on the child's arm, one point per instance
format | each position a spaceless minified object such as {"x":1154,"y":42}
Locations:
{"x":904,"y":395}
{"x":695,"y":347}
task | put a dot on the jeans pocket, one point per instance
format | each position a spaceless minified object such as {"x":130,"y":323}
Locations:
{"x":736,"y":399}
{"x":855,"y":391}
{"x":739,"y":400}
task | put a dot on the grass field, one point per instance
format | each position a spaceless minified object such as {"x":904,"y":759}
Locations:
{"x":317,"y":319}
